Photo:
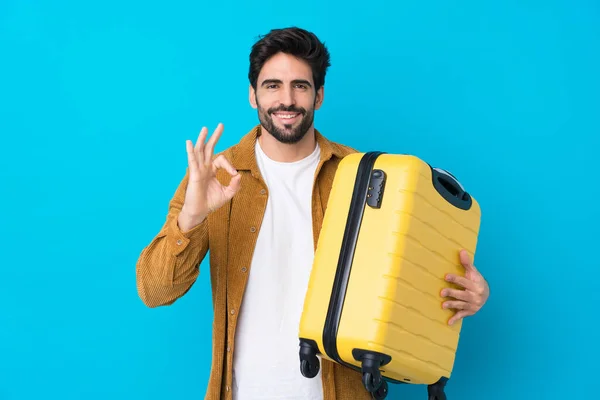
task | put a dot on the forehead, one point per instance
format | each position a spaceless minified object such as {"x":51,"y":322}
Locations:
{"x":285,"y":67}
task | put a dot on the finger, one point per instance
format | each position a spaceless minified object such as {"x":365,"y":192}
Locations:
{"x":222,"y":162}
{"x":192,"y":161}
{"x":466,"y":261}
{"x":210,"y":146}
{"x":199,"y":148}
{"x":461,"y":281}
{"x":457,"y":294}
{"x":233,"y":187}
{"x":458,"y":316}
{"x":456,"y":305}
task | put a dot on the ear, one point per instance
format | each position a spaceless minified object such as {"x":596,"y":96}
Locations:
{"x":252,"y":97}
{"x":319,"y":97}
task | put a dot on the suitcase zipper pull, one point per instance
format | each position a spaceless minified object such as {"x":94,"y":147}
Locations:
{"x":376,"y":188}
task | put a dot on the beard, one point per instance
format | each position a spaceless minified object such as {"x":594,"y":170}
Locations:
{"x":288,"y":134}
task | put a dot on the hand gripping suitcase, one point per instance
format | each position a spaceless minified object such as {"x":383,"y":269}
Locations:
{"x":392,"y":230}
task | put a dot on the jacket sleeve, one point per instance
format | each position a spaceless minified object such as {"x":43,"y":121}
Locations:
{"x":169,"y":265}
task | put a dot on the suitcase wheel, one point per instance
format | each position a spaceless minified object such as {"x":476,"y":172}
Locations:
{"x":375,"y":385}
{"x":436,"y":390}
{"x":381,"y":392}
{"x":441,"y":396}
{"x":309,"y":369}
{"x":309,"y":362}
{"x":372,"y":380}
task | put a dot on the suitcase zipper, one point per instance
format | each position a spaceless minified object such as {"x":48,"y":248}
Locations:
{"x":342,"y":275}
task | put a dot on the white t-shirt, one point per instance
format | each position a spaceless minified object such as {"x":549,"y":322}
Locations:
{"x":266,"y":360}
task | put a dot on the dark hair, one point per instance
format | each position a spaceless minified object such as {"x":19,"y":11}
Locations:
{"x":294,"y":41}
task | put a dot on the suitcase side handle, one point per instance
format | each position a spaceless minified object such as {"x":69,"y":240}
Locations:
{"x":451,"y":189}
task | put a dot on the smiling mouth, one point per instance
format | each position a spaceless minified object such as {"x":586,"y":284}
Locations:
{"x":287,"y":117}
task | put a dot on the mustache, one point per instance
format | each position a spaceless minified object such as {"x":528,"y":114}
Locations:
{"x":299,"y":110}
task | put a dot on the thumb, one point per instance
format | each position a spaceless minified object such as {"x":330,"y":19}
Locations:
{"x":466,"y":261}
{"x":233,"y":187}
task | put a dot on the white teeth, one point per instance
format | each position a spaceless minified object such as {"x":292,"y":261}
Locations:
{"x":286,"y":116}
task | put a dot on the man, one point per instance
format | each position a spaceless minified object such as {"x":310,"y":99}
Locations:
{"x":258,"y":208}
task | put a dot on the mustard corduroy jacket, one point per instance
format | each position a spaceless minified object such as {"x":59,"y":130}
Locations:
{"x":169,"y":265}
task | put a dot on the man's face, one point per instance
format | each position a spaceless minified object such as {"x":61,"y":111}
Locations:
{"x":285,"y":98}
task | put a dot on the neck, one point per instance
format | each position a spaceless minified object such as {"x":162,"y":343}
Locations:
{"x":284,"y":152}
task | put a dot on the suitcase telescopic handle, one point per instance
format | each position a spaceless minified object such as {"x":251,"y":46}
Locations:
{"x":451,"y":189}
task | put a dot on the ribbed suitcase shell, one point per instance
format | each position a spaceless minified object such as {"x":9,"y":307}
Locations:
{"x":383,"y":297}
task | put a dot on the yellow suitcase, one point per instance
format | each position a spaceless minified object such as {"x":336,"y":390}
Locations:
{"x":393,"y":229}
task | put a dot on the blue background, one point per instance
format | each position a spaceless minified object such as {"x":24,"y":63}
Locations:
{"x":97,"y":100}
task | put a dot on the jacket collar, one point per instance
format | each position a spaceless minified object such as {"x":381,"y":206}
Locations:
{"x":244,"y":158}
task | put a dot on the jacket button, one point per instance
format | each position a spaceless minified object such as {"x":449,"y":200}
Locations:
{"x":263,"y":191}
{"x":244,"y":269}
{"x":232,"y":311}
{"x":179,"y":242}
{"x":253,"y":229}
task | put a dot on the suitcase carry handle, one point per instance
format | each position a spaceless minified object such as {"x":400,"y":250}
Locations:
{"x":450,"y":189}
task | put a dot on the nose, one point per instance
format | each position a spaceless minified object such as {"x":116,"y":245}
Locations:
{"x":287,"y":97}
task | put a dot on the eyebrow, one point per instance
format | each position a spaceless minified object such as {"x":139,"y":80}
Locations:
{"x":295,"y":81}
